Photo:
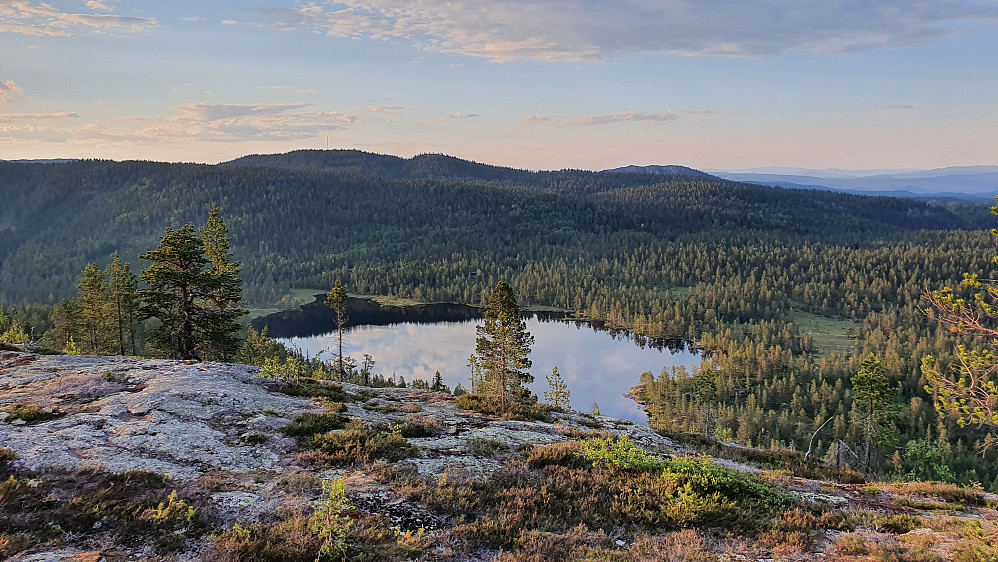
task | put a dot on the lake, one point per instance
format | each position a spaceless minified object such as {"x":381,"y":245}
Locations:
{"x":597,"y":365}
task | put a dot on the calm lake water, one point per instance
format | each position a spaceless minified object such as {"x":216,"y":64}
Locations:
{"x":597,"y":366}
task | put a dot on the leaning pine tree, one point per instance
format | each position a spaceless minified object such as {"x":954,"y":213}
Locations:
{"x":502,"y":349}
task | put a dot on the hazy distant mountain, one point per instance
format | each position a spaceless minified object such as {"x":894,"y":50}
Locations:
{"x":974,"y":182}
{"x":671,"y":170}
{"x":423,"y":166}
{"x":43,"y":160}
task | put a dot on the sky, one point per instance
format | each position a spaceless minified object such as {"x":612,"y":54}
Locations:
{"x":544,"y":84}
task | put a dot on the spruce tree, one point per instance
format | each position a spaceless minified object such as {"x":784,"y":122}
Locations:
{"x":224,"y":292}
{"x":502,"y":349}
{"x":66,"y":322}
{"x":93,"y":299}
{"x":875,"y":406}
{"x":123,"y":287}
{"x":558,"y":394}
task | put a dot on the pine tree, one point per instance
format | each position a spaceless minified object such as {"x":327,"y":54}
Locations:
{"x":93,"y":297}
{"x":559,"y":394}
{"x":366,"y":369}
{"x":194,"y":291}
{"x":337,"y":300}
{"x":179,"y":291}
{"x":502,"y":349}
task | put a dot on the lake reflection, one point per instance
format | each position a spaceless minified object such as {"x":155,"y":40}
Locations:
{"x":597,"y":367}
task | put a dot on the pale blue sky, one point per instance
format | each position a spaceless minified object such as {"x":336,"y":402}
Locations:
{"x":547,"y":84}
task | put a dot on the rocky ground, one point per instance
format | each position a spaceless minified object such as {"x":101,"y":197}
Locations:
{"x":213,"y":431}
{"x":218,"y":422}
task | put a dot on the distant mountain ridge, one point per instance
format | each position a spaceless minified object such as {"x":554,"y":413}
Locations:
{"x":669,"y":170}
{"x":966,"y":182}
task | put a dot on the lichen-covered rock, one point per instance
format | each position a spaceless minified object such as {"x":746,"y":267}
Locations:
{"x":169,"y":417}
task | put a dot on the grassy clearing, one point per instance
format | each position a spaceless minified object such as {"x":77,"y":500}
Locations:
{"x":830,"y":335}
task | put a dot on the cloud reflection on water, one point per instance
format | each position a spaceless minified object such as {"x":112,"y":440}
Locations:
{"x":597,"y":367}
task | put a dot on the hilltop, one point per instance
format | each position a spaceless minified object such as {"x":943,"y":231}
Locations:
{"x":94,"y":447}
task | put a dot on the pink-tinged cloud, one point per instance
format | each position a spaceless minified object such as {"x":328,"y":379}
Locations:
{"x":611,"y":118}
{"x":574,"y":30}
{"x":8,"y":89}
{"x":27,"y":18}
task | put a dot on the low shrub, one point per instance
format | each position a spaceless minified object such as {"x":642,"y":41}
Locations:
{"x":128,"y":508}
{"x":517,"y":411}
{"x":950,"y":493}
{"x":570,"y":454}
{"x":483,"y":447}
{"x":290,"y":540}
{"x":309,"y":425}
{"x":358,"y":443}
{"x":28,"y":412}
{"x":619,"y":452}
{"x":421,"y":426}
{"x":884,"y":522}
{"x":6,"y":459}
{"x":852,"y":545}
{"x":557,"y":489}
{"x":929,"y":506}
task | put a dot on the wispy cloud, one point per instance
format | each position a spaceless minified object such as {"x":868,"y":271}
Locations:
{"x":209,"y":122}
{"x":289,"y":89}
{"x":11,"y":117}
{"x":27,"y":18}
{"x":97,"y":6}
{"x":8,"y":89}
{"x":574,"y":30}
{"x":610,"y":118}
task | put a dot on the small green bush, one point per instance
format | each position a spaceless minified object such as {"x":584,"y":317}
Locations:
{"x":416,"y":427}
{"x":311,"y":424}
{"x":620,"y":452}
{"x":28,"y":412}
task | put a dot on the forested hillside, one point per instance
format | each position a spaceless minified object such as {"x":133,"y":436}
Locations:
{"x":789,"y":289}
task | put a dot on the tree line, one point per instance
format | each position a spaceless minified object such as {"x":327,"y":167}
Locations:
{"x":192,"y":294}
